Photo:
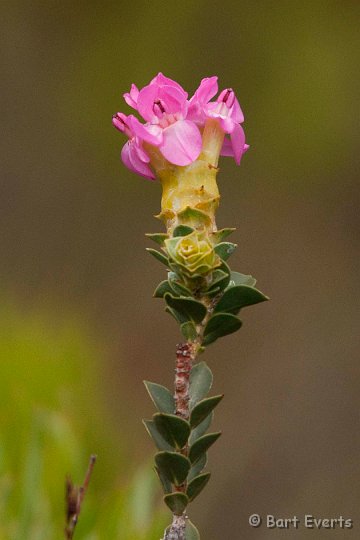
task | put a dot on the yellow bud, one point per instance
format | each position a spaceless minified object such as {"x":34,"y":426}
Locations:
{"x":193,"y":254}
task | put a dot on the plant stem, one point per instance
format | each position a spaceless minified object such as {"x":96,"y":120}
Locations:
{"x":176,"y":531}
{"x":185,"y":356}
{"x":184,"y":360}
{"x":74,"y":499}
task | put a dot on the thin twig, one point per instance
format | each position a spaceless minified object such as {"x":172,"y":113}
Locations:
{"x":74,"y":498}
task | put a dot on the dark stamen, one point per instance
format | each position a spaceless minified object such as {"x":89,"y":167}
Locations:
{"x":226,"y":96}
{"x":117,"y":117}
{"x":160,"y":105}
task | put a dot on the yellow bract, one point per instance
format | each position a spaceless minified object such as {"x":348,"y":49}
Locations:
{"x":191,"y":187}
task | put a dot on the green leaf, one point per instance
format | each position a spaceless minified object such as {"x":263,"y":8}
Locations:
{"x":191,"y":532}
{"x":238,"y":297}
{"x":177,"y":316}
{"x":162,"y":289}
{"x":177,"y":502}
{"x":197,"y":485}
{"x":197,"y":467}
{"x":225,"y":268}
{"x":188,"y":330}
{"x":161,"y":396}
{"x":159,"y":238}
{"x":179,"y":288}
{"x":212,"y":292}
{"x":225,"y":249}
{"x":202,"y":445}
{"x":220,"y":235}
{"x":165,"y":483}
{"x":219,"y":325}
{"x":201,"y":380}
{"x":159,"y":441}
{"x":220,"y":280}
{"x":174,"y":466}
{"x":159,"y":256}
{"x":173,"y":429}
{"x":203,"y":409}
{"x":236,"y":278}
{"x":189,"y":308}
{"x":182,"y":230}
{"x":201,"y":429}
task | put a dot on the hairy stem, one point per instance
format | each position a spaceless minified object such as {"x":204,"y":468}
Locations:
{"x":176,"y":531}
{"x":184,"y":360}
{"x":185,"y":356}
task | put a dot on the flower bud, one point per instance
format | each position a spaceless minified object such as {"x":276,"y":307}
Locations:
{"x":193,"y":255}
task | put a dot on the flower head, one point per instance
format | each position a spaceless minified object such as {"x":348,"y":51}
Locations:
{"x":163,"y":105}
{"x":174,"y":125}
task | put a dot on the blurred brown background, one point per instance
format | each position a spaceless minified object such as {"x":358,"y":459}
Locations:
{"x":73,"y":221}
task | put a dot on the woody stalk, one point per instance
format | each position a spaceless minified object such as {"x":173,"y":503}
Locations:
{"x":179,"y":143}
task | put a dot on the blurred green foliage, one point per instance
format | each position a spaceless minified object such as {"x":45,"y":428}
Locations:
{"x":52,"y":418}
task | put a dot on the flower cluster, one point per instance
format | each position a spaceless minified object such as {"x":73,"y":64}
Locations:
{"x":174,"y":124}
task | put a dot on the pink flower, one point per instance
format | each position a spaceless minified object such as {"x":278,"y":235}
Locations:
{"x":225,"y":109}
{"x":132,"y":153}
{"x":174,"y":124}
{"x":198,"y":103}
{"x":163,"y":104}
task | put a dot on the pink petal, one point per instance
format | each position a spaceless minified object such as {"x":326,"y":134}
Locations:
{"x":145,"y":101}
{"x":131,"y":97}
{"x":238,"y":141}
{"x":227,"y":124}
{"x":141,"y":154}
{"x":213,"y":109}
{"x":207,"y":90}
{"x":169,"y":92}
{"x":131,"y":159}
{"x":195,"y":113}
{"x":236,"y":113}
{"x":227,"y":149}
{"x":149,"y":133}
{"x":161,"y":80}
{"x":182,"y":143}
{"x":172,"y":98}
{"x":120,"y":121}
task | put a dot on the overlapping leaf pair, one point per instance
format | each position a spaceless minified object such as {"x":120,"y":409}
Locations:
{"x":183,"y":444}
{"x":201,"y":292}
